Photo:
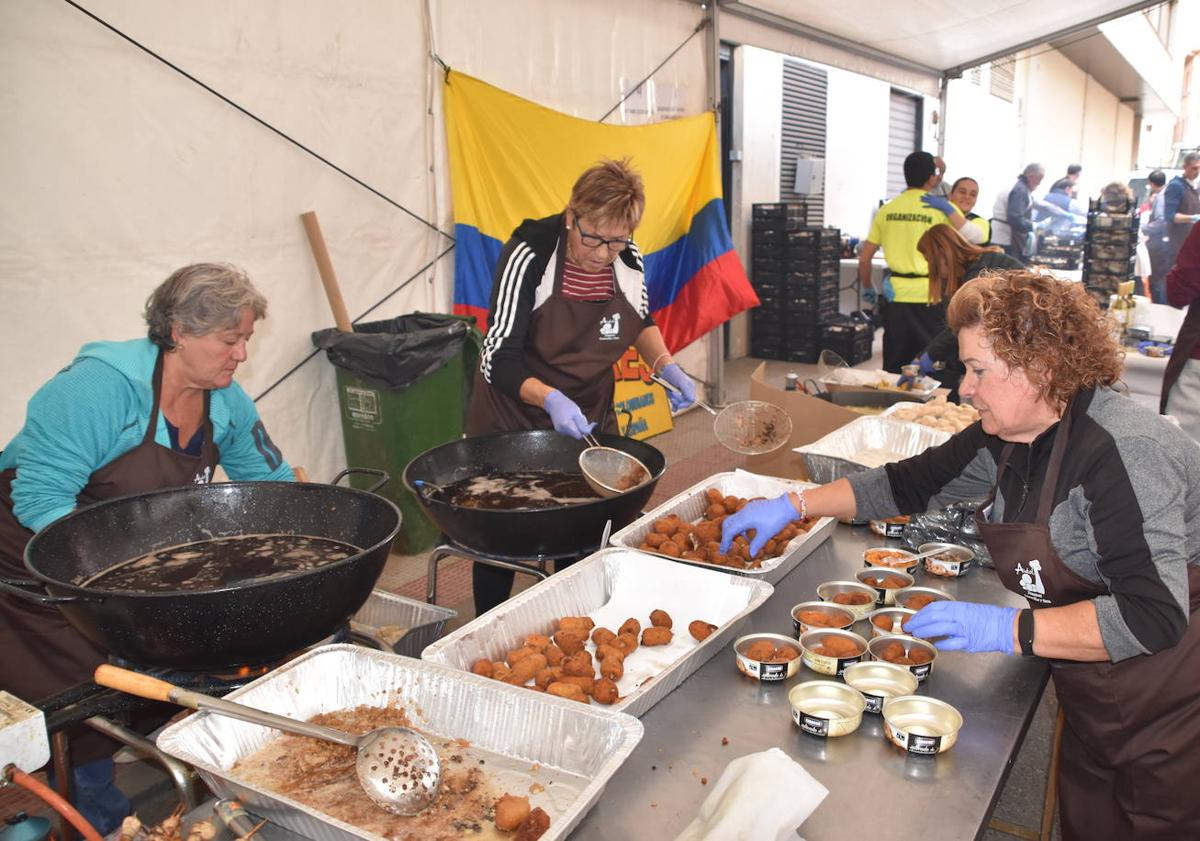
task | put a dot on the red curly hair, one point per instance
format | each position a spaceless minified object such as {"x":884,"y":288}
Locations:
{"x":1051,"y":329}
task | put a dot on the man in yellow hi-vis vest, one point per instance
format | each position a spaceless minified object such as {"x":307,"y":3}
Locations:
{"x":911,"y":320}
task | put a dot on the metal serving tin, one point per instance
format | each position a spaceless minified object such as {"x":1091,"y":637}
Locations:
{"x":691,"y":504}
{"x":892,"y":562}
{"x":447,"y":704}
{"x":826,"y":708}
{"x":762,"y":670}
{"x":921,"y":725}
{"x":920,"y":671}
{"x":385,"y":614}
{"x":897,"y":615}
{"x":842,"y":613}
{"x":892,"y":527}
{"x":823,"y":663}
{"x":878,"y":681}
{"x":963,"y":559}
{"x":884,"y":595}
{"x":827,"y":591}
{"x":904,"y":596}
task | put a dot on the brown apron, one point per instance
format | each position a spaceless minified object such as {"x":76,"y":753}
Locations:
{"x":571,"y":346}
{"x":1131,"y":744}
{"x":41,"y":653}
{"x":1177,"y":232}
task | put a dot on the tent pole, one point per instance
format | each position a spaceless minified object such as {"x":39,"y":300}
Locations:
{"x":716,"y":337}
{"x":943,"y":99}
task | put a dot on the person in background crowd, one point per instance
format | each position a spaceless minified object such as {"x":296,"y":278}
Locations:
{"x":963,"y":195}
{"x":1154,"y":229}
{"x":909,"y":320}
{"x":1064,"y":190}
{"x":1012,"y":217}
{"x":1092,"y":516}
{"x":1181,"y":381}
{"x":1181,"y":205}
{"x":568,"y":299}
{"x":953,"y":262}
{"x":125,"y":418}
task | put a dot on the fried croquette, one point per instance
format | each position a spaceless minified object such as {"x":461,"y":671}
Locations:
{"x":919,"y":601}
{"x":612,"y":668}
{"x":604,"y":691}
{"x":852,"y":598}
{"x":568,"y":690}
{"x":577,"y":664}
{"x":626,"y":642}
{"x":670,"y":548}
{"x":603,"y":636}
{"x":482,"y":666}
{"x":630,"y":626}
{"x":547,"y":676}
{"x":554,"y":655}
{"x":762,"y":650}
{"x":657,"y":636}
{"x":660,"y":619}
{"x":534,"y":826}
{"x":817,"y":618}
{"x":919,"y":656}
{"x":538,"y":642}
{"x":892,"y":652}
{"x":584,"y":682}
{"x":511,"y":812}
{"x":783,"y":654}
{"x":667,"y":525}
{"x":880,"y":581}
{"x":604,"y":652}
{"x":569,"y":641}
{"x":580,"y":624}
{"x":525,"y":669}
{"x":700,"y":630}
{"x":517,"y":654}
{"x":654,"y":539}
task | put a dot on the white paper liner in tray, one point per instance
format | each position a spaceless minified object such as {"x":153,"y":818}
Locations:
{"x":577,"y":748}
{"x":690,"y":506}
{"x":831,"y":457}
{"x":610,"y":587}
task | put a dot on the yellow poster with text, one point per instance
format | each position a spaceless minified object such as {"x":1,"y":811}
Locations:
{"x":641,"y":405}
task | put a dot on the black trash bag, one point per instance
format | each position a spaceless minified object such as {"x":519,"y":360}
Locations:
{"x":397,"y":352}
{"x":954,"y":524}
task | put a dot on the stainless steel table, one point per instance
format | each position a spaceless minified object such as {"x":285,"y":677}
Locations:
{"x":874,"y":789}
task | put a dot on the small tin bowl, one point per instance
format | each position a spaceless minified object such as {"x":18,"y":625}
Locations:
{"x":764,"y":670}
{"x":839,"y":616}
{"x":898,"y":579}
{"x":921,"y":725}
{"x":824,"y":663}
{"x":826,"y":708}
{"x":878,"y":681}
{"x":890,"y":557}
{"x":891,"y":619}
{"x":904,"y":597}
{"x":953,"y":560}
{"x":828,"y":591}
{"x":892,"y":527}
{"x":909,"y":644}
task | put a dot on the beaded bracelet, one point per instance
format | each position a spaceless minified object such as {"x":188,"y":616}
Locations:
{"x":658,"y":359}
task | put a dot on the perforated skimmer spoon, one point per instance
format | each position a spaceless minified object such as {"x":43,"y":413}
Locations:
{"x":609,"y":471}
{"x":397,"y":767}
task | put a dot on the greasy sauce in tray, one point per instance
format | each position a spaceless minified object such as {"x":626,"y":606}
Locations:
{"x":528,"y":489}
{"x":220,"y":562}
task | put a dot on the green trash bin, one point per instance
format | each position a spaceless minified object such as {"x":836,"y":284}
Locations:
{"x":403,"y":387}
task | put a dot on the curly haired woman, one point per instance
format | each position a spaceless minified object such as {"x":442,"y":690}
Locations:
{"x":1093,"y":516}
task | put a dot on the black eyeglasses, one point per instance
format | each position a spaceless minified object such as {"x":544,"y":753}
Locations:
{"x":595,"y":241}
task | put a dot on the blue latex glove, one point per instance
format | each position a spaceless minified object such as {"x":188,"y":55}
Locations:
{"x":870,"y":296}
{"x":938,"y":203}
{"x":766,"y":516}
{"x":567,"y":418}
{"x":677,"y":377}
{"x":964,"y":626}
{"x":888,"y":291}
{"x":925,"y":361}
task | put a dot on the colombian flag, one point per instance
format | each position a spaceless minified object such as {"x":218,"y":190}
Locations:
{"x":511,"y":159}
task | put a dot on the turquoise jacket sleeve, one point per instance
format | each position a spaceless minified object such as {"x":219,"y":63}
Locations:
{"x":247,"y":451}
{"x":73,"y":423}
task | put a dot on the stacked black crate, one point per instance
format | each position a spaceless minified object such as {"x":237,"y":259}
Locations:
{"x":1060,"y":251}
{"x":795,"y":273}
{"x":850,"y":338}
{"x":1110,"y":248}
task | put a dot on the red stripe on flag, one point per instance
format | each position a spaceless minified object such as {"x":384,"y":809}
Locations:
{"x":713,"y":295}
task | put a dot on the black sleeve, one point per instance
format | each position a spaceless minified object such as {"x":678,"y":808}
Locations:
{"x":961,"y":468}
{"x":943,"y":347}
{"x":514,"y":289}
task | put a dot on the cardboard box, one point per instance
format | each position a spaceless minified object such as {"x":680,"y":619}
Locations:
{"x":812,"y":419}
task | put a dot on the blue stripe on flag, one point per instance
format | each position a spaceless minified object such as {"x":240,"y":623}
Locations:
{"x":669,"y":269}
{"x":475,"y":258}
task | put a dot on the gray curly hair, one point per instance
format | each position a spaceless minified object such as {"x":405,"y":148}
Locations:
{"x":201,"y":298}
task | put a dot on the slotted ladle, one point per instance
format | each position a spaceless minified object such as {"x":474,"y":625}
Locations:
{"x":609,"y":471}
{"x":397,"y":767}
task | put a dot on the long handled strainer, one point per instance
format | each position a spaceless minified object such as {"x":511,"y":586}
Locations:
{"x":609,"y":471}
{"x":749,"y":427}
{"x":396,"y":766}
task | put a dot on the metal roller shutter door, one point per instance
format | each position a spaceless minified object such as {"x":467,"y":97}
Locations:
{"x":802,"y":135}
{"x":903,"y":138}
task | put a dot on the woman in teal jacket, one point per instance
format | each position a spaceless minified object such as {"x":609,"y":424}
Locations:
{"x":125,"y":418}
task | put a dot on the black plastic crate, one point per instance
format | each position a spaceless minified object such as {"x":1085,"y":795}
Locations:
{"x":804,"y":355}
{"x":770,"y":298}
{"x":793,"y":211}
{"x":821,"y":268}
{"x":769,"y":236}
{"x":763,"y":349}
{"x":847,"y":328}
{"x":761,"y":264}
{"x":1111,"y":251}
{"x":853,"y":352}
{"x":1112,"y":236}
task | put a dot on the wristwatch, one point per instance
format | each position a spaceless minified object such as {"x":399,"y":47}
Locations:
{"x":1025,"y":632}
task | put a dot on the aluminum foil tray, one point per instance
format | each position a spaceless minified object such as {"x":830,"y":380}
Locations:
{"x":385,"y":611}
{"x":611,"y":586}
{"x":854,"y":379}
{"x":578,"y":748}
{"x":690,"y":506}
{"x":830,"y":457}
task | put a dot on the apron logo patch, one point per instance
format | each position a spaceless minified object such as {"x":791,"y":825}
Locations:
{"x":203,"y":477}
{"x":610,"y":327}
{"x":1031,"y":581}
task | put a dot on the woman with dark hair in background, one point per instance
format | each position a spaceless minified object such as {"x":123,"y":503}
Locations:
{"x":952,"y":262}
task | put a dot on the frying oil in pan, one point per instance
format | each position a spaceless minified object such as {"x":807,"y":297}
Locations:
{"x":527,"y":489}
{"x":220,"y":562}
